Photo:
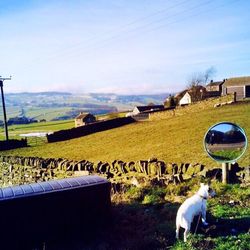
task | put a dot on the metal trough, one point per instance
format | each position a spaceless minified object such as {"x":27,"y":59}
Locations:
{"x":41,"y":211}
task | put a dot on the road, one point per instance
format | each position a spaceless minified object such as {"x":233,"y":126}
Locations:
{"x":223,"y":146}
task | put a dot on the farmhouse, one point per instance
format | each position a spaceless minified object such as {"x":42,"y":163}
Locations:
{"x":238,"y":85}
{"x":186,"y":99}
{"x":215,"y":86}
{"x":150,"y":108}
{"x":83,"y":119}
{"x":179,"y":95}
{"x":214,"y":89}
{"x":194,"y":94}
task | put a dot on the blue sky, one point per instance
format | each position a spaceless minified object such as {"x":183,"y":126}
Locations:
{"x":121,"y":46}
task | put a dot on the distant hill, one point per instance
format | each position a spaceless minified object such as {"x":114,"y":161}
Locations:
{"x":48,"y":93}
{"x":65,"y":105}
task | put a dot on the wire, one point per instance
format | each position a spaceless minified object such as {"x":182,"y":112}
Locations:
{"x":135,"y":30}
{"x":122,"y":33}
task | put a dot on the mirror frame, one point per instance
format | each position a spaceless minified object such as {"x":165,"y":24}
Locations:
{"x":229,"y":123}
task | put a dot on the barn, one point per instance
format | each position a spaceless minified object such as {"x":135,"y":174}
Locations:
{"x":150,"y":108}
{"x":238,"y":85}
{"x":83,"y":119}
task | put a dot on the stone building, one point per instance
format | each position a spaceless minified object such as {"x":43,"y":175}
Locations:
{"x":84,"y":119}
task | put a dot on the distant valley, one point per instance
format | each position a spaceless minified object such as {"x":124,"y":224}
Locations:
{"x":51,"y":106}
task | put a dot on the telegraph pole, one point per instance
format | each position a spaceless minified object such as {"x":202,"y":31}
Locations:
{"x":4,"y":109}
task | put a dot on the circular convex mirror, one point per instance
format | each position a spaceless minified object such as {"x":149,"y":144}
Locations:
{"x":225,"y":142}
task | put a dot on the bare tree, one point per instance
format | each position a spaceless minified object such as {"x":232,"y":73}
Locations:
{"x":201,"y":78}
{"x":197,"y":81}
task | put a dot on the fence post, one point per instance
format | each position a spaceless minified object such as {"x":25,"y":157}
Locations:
{"x":225,"y":173}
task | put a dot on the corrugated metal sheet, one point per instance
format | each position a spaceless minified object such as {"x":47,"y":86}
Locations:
{"x":49,"y":186}
{"x":45,"y":211}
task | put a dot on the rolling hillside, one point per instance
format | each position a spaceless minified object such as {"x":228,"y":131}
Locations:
{"x":60,"y":106}
{"x":176,"y":138}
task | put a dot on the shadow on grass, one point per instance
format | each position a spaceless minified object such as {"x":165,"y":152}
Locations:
{"x":225,"y":227}
{"x":130,"y":226}
{"x":137,"y":226}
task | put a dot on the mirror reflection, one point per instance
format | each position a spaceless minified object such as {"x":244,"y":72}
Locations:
{"x":225,"y":142}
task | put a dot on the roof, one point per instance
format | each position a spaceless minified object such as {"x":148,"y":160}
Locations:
{"x":215,"y":83}
{"x":181,"y":94}
{"x":148,"y":108}
{"x":192,"y":92}
{"x":34,"y":189}
{"x":82,"y":115}
{"x":238,"y":81}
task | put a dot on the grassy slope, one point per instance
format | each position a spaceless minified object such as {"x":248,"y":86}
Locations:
{"x":179,"y":139}
{"x":15,"y":130}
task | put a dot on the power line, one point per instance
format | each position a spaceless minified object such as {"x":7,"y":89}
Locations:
{"x":145,"y":27}
{"x":167,"y":24}
{"x":123,"y":27}
{"x":121,"y":30}
{"x":132,"y":31}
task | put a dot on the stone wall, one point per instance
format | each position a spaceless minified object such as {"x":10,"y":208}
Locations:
{"x":21,"y":170}
{"x":192,"y":108}
{"x":12,"y":144}
{"x":28,"y":169}
{"x":68,"y":134}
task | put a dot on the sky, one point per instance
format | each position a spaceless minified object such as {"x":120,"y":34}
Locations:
{"x":121,"y":46}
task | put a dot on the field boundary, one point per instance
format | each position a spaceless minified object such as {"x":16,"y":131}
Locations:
{"x":68,"y":134}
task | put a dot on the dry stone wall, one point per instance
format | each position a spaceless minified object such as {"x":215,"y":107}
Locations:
{"x":39,"y":168}
{"x":88,"y":129}
{"x":179,"y":110}
{"x":21,"y":170}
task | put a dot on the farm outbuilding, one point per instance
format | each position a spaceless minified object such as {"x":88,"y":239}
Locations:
{"x":150,"y":108}
{"x":83,"y":119}
{"x":238,"y":85}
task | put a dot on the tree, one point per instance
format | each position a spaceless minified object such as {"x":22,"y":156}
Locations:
{"x":169,"y":102}
{"x":201,"y":78}
{"x":197,"y":81}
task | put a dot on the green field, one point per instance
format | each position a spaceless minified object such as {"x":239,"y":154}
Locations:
{"x":177,"y":138}
{"x":16,"y":130}
{"x":226,"y":155}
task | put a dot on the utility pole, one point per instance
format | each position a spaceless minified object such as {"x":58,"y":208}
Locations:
{"x":2,"y":79}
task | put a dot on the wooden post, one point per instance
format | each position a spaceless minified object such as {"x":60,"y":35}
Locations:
{"x":225,"y":173}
